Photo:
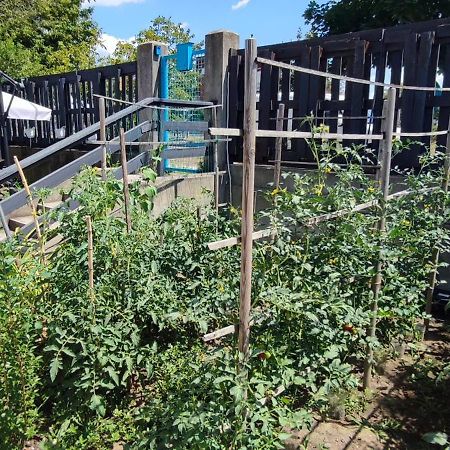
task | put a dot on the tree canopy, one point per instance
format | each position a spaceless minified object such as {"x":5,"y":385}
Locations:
{"x":40,"y":37}
{"x":343,"y":16}
{"x":162,"y":29}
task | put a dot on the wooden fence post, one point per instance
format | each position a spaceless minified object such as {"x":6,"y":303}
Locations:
{"x":385,"y":171}
{"x":126,"y":189}
{"x":248,"y":188}
{"x":278,"y":144}
{"x":434,"y":260}
{"x":102,"y":113}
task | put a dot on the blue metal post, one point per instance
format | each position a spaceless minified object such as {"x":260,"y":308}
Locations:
{"x":165,"y":95}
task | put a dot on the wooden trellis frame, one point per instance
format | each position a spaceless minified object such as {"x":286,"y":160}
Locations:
{"x":250,"y":133}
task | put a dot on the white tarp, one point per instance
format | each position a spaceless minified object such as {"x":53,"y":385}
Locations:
{"x":23,"y":109}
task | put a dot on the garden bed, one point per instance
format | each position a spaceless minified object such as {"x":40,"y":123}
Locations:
{"x":101,"y":339}
{"x":408,"y":401}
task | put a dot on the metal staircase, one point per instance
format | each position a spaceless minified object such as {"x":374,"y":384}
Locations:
{"x":16,"y":214}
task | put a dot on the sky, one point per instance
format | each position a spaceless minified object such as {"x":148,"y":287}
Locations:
{"x":270,"y":21}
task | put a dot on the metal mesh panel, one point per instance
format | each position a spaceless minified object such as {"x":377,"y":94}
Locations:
{"x":187,"y":86}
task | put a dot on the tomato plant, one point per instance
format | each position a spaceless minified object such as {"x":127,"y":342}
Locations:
{"x":127,"y":363}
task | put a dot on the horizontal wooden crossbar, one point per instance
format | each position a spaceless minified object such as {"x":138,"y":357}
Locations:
{"x":185,"y":126}
{"x":236,"y":132}
{"x":230,"y":242}
{"x":295,"y":134}
{"x":183,"y":152}
{"x":219,"y":333}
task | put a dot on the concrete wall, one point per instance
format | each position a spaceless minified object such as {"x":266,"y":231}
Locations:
{"x":264,"y":178}
{"x":192,"y":186}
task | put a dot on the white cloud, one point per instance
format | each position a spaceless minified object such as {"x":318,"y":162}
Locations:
{"x":110,"y":2}
{"x":108,"y":44}
{"x":240,"y":4}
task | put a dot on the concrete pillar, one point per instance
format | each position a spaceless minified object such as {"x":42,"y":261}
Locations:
{"x":218,"y":45}
{"x":148,"y":79}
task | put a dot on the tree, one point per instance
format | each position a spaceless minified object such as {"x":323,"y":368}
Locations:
{"x":40,"y":37}
{"x":343,"y":16}
{"x":161,"y":29}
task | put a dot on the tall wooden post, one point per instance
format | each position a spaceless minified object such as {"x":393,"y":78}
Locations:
{"x":248,"y":189}
{"x":126,"y":189}
{"x":278,"y":144}
{"x":385,"y":171}
{"x":102,"y":113}
{"x":434,"y":260}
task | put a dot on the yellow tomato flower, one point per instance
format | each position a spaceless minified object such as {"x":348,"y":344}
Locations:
{"x":318,"y":188}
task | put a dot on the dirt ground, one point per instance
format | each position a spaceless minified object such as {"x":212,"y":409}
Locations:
{"x":405,"y":403}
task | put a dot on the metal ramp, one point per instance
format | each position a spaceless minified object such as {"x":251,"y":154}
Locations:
{"x":15,"y":213}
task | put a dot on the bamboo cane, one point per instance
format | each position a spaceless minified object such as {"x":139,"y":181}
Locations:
{"x":434,"y":260}
{"x":102,"y":113}
{"x":126,"y":189}
{"x":216,"y":163}
{"x":90,"y":257}
{"x":278,"y":145}
{"x":30,"y":203}
{"x":384,"y":184}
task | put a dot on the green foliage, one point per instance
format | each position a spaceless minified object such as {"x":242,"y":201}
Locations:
{"x":162,"y":29}
{"x":22,"y":285}
{"x":128,"y":364}
{"x":344,"y":16}
{"x":40,"y":37}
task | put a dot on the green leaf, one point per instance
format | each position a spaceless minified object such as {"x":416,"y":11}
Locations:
{"x":97,"y":404}
{"x":55,"y":365}
{"x":113,"y":374}
{"x":437,"y":438}
{"x":331,"y":353}
{"x":284,"y":436}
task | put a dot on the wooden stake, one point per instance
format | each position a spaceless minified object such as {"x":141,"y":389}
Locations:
{"x":216,"y":163}
{"x":278,"y":145}
{"x":384,"y":185}
{"x":102,"y":112}
{"x":126,"y":189}
{"x":248,"y":189}
{"x":30,"y":201}
{"x":90,"y":257}
{"x":434,"y":260}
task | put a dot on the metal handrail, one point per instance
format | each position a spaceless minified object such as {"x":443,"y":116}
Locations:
{"x":92,"y":157}
{"x":11,"y":171}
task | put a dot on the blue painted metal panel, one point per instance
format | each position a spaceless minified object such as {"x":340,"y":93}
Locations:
{"x":185,"y":52}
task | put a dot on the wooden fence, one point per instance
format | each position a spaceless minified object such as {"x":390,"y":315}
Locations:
{"x":414,"y":54}
{"x":71,"y":98}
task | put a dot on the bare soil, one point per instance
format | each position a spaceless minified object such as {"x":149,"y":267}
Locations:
{"x":407,"y":402}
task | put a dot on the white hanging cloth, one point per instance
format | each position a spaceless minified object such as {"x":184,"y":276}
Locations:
{"x":25,"y":110}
